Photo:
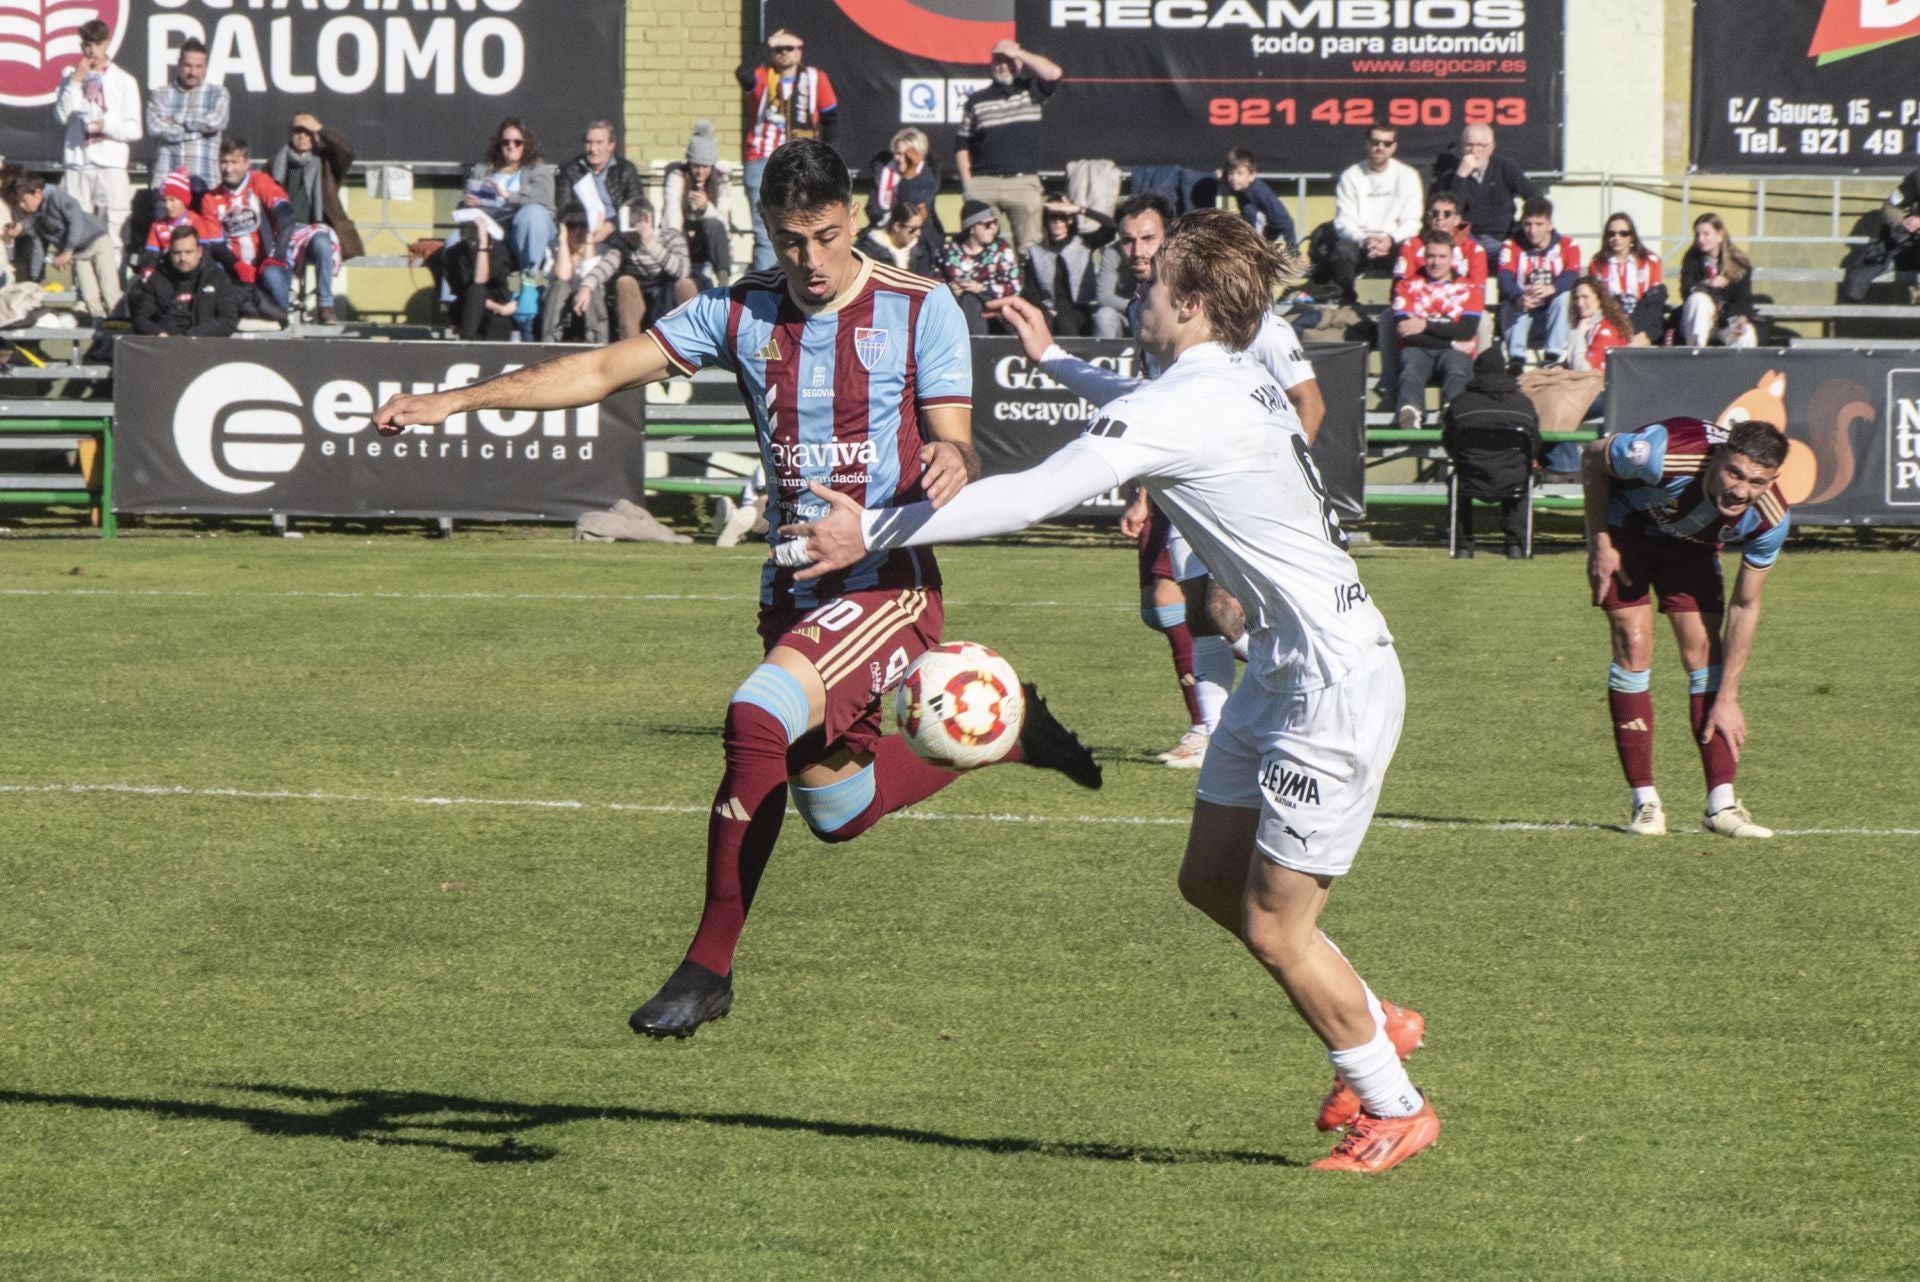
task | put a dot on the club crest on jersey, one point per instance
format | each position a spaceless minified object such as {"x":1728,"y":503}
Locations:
{"x":869,"y":345}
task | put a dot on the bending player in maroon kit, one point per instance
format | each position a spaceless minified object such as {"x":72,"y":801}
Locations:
{"x":848,"y":367}
{"x":1660,"y":503}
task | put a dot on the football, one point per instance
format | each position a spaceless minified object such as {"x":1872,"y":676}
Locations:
{"x":959,"y":706}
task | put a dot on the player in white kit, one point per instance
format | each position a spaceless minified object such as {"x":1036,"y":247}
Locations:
{"x":1294,"y":770}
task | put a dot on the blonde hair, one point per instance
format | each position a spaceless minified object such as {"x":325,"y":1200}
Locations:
{"x":1218,"y":256}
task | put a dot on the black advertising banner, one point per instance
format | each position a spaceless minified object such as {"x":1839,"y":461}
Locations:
{"x":1295,"y":81}
{"x":1020,"y":416}
{"x":1852,"y":418}
{"x":404,"y":80}
{"x":240,"y":427}
{"x":1154,"y":82}
{"x":1808,"y":86}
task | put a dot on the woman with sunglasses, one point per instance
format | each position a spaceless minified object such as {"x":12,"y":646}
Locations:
{"x":515,"y":188}
{"x":1631,"y":273}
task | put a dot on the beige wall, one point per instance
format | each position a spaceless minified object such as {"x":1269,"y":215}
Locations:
{"x":680,"y":60}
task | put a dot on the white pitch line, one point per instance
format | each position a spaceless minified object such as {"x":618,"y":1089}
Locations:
{"x":501,"y":596}
{"x":628,"y":807}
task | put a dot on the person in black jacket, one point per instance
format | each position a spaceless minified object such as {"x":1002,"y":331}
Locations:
{"x":901,"y":240}
{"x":1062,"y":270}
{"x":187,"y":295}
{"x":619,"y":184}
{"x":1897,"y":246}
{"x":1493,"y":399}
{"x":1487,"y":186}
{"x":1716,"y":282}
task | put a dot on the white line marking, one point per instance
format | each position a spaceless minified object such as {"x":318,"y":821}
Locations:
{"x":504,"y":596}
{"x":628,"y":807}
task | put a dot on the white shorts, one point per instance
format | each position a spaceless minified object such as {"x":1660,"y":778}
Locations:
{"x":1182,"y":559}
{"x":1311,"y":762}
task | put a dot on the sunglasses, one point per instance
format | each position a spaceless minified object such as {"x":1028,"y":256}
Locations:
{"x":1382,"y":142}
{"x":784,"y":48}
{"x":513,"y":142}
{"x":1442,"y":215}
{"x":1619,"y":233}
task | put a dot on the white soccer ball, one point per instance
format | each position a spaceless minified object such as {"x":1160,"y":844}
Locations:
{"x":959,"y":706}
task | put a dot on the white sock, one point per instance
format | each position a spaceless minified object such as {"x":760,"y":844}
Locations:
{"x":1720,"y":797}
{"x":1643,"y":795}
{"x":1212,"y":676}
{"x":1240,"y":647}
{"x":1377,"y":1076}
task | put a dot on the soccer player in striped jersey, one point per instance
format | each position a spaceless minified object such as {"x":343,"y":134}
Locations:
{"x":1660,"y":503}
{"x":859,"y":378}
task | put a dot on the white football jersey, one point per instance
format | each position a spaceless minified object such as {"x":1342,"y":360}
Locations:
{"x":1218,"y":446}
{"x":1275,"y":346}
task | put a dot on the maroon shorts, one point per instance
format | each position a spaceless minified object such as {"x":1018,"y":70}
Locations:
{"x":1155,"y":563}
{"x":861,"y":644}
{"x":1685,"y":575}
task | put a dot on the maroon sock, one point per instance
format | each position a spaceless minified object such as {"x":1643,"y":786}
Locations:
{"x":900,"y":778}
{"x":745,"y":821}
{"x":1716,"y":757}
{"x":1633,"y":734}
{"x":1180,"y":637}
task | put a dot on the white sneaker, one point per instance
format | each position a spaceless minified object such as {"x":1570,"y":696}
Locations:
{"x":1649,"y":820}
{"x":1734,"y":821}
{"x":1408,"y":419}
{"x":1189,"y":753}
{"x":732,"y":521}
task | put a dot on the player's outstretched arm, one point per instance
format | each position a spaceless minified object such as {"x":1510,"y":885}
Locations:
{"x":1725,"y":718}
{"x":1029,"y":325}
{"x":579,"y":378}
{"x":1603,"y":559}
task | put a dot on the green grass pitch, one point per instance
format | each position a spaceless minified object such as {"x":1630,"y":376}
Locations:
{"x":329,"y":871}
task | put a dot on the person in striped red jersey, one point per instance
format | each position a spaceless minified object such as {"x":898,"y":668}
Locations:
{"x":1661,"y":502}
{"x":1631,"y":273}
{"x":858,"y":376}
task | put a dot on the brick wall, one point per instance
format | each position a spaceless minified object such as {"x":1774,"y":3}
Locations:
{"x":680,"y":60}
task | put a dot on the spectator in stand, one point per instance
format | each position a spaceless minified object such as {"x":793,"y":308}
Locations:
{"x":1599,"y":324}
{"x":99,"y":104}
{"x":474,"y":270}
{"x":998,"y":148}
{"x":1537,"y":270}
{"x":1257,"y":203}
{"x":1142,"y":222}
{"x":1487,"y":186}
{"x":187,"y":296}
{"x":1469,"y":265}
{"x":186,"y":117}
{"x":1631,"y":273}
{"x":176,"y":211}
{"x":1716,"y":280}
{"x":655,"y":274}
{"x":977,"y":265}
{"x":1492,"y":399}
{"x":1062,"y":275}
{"x":785,"y":99}
{"x":68,"y":236}
{"x":515,"y":188}
{"x":901,"y":241}
{"x":1896,"y":247}
{"x":1435,"y":317}
{"x":905,"y":172}
{"x":256,"y":219}
{"x":583,"y":268}
{"x":615,"y":180}
{"x":311,"y":169}
{"x":698,"y":193}
{"x":1376,"y":206}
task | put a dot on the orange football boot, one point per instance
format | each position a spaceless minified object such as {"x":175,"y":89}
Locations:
{"x":1407,"y":1030}
{"x":1374,"y":1144}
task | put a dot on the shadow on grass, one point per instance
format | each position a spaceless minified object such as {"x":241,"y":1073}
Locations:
{"x":492,"y":1130}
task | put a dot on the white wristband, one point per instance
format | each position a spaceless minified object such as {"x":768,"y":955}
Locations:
{"x":792,"y":554}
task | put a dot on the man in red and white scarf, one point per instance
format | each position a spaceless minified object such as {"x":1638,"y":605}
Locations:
{"x":789,"y":100}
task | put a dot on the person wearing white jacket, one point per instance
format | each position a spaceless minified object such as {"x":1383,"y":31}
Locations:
{"x":1377,"y":205}
{"x":99,"y":104}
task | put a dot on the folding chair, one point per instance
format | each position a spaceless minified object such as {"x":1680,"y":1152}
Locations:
{"x":1491,"y":462}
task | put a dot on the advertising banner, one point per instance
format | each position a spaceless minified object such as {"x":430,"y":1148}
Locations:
{"x":1020,"y":416}
{"x":1783,"y":86}
{"x":412,"y":81}
{"x":240,"y":427}
{"x":1181,"y":81}
{"x":1852,"y":418}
